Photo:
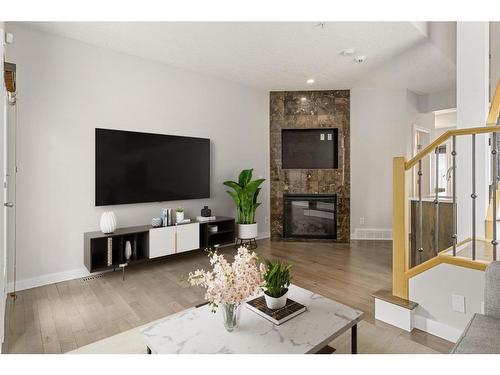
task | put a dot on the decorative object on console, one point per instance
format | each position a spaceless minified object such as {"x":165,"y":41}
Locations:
{"x":206,"y":212}
{"x":245,"y":198}
{"x":277,"y":280}
{"x":109,"y":253}
{"x":183,"y":221}
{"x":108,"y":222}
{"x":203,"y":218}
{"x":179,"y":215}
{"x":166,"y":216}
{"x":230,"y":284}
{"x":128,"y":250}
{"x":156,"y":222}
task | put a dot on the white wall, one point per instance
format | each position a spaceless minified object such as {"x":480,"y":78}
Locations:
{"x":495,"y":56}
{"x":434,"y":312}
{"x":66,"y":89}
{"x":381,"y":122}
{"x":472,"y":109}
{"x":437,"y":101}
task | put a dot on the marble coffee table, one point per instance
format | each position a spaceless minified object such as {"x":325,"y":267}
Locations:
{"x":198,"y":330}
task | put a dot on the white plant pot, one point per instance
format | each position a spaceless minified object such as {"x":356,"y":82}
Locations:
{"x":276,"y":303}
{"x":247,"y":231}
{"x":108,"y":222}
{"x":179,"y":216}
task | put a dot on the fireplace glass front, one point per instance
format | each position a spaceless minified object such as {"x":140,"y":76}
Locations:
{"x":310,"y":216}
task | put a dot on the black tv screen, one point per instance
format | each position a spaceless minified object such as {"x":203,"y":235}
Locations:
{"x":310,"y":148}
{"x":132,"y":167}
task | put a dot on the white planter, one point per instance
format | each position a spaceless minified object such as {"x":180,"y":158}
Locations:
{"x":247,"y":231}
{"x":108,"y":222}
{"x":179,"y":216}
{"x":276,"y":303}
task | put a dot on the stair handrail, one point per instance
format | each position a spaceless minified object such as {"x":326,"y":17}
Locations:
{"x":494,"y":108}
{"x":400,"y":259}
{"x":442,"y":139}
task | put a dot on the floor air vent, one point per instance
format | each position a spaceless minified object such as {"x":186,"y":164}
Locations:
{"x":93,"y":277}
{"x":372,"y":234}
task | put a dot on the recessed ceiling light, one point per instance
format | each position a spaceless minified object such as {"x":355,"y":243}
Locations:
{"x":360,"y":59}
{"x":347,"y":52}
{"x":310,"y":81}
{"x":303,"y":99}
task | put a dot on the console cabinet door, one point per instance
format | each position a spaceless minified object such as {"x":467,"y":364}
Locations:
{"x":161,"y":242}
{"x":188,"y":237}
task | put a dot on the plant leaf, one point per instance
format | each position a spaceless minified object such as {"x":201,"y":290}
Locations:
{"x":245,"y":177}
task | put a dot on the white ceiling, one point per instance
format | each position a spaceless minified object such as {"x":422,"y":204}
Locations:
{"x":280,"y":55}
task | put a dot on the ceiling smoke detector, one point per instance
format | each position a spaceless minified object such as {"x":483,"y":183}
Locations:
{"x":347,"y":52}
{"x":359,"y":59}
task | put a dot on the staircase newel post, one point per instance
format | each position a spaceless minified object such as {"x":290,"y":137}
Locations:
{"x":400,"y":232}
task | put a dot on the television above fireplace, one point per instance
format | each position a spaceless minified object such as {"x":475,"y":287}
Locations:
{"x":310,"y":148}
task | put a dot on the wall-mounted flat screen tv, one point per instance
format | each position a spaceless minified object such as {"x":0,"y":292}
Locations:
{"x":132,"y":167}
{"x":310,"y":148}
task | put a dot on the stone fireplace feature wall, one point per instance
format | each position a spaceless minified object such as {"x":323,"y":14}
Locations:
{"x":310,"y":110}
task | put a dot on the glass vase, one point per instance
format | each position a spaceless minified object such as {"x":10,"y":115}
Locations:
{"x":231,"y":316}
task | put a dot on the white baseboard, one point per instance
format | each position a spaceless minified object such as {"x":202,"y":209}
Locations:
{"x":437,"y":328}
{"x":263,"y":235}
{"x":48,"y":279}
{"x":378,"y":234}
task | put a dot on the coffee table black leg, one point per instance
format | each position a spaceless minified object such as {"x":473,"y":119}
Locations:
{"x":148,"y":350}
{"x":354,"y":339}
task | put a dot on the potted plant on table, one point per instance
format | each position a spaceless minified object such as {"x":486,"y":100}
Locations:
{"x":244,"y":195}
{"x":276,"y":282}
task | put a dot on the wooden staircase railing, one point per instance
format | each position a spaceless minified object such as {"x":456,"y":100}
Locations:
{"x":400,"y":217}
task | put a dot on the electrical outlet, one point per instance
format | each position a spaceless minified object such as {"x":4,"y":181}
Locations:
{"x":458,"y":303}
{"x":362,"y":220}
{"x":266,"y":220}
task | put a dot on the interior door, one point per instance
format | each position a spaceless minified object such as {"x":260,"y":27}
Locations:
{"x":3,"y":253}
{"x":9,"y":171}
{"x":421,"y":138}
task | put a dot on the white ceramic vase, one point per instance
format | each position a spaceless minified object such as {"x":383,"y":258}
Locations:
{"x":179,"y":216}
{"x":247,"y":231}
{"x":128,"y":250}
{"x":108,"y":222}
{"x":276,"y":303}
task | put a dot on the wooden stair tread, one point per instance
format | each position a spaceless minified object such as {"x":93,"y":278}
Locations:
{"x":386,"y":295}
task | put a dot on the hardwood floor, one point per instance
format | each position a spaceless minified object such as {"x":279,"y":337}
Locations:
{"x":61,"y":317}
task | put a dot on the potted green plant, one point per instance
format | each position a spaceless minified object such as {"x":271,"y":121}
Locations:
{"x":244,"y":195}
{"x":276,"y":282}
{"x":179,"y":214}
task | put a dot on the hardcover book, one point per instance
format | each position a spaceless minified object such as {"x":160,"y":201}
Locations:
{"x":278,"y":316}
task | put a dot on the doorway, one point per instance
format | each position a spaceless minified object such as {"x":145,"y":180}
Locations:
{"x":421,"y":139}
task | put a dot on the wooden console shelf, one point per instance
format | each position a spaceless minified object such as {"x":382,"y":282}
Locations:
{"x":148,"y":242}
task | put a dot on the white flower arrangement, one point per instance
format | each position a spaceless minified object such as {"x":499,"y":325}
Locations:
{"x":230,"y":283}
